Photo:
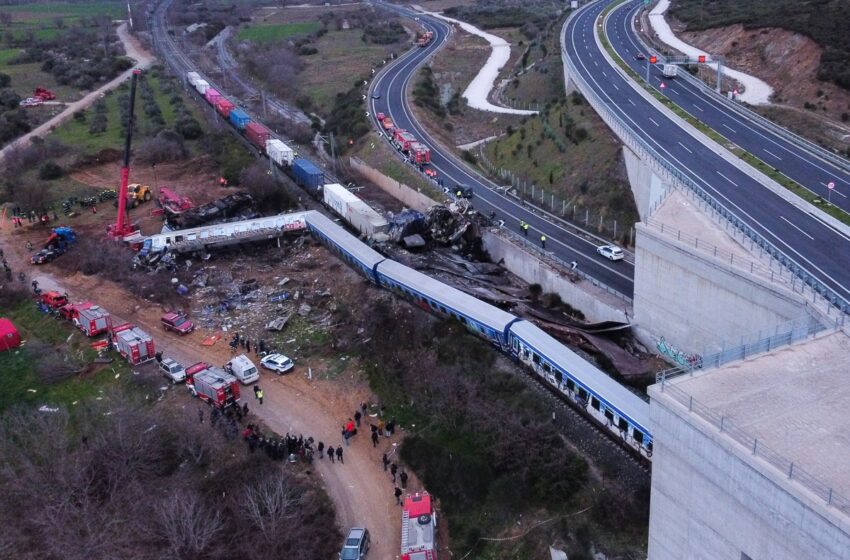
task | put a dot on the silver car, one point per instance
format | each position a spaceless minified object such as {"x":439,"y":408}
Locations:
{"x":277,"y":363}
{"x":173,"y":370}
{"x":356,"y":544}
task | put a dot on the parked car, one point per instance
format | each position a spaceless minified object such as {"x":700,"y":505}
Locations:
{"x":44,"y":256}
{"x":31,"y":102}
{"x":356,"y":544}
{"x":611,"y":252}
{"x":243,"y":369}
{"x":277,"y":363}
{"x":173,"y":370}
{"x":177,"y":323}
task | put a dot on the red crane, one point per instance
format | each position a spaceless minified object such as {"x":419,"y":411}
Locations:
{"x":122,"y":227}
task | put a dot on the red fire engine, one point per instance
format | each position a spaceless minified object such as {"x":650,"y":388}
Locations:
{"x":418,"y":528}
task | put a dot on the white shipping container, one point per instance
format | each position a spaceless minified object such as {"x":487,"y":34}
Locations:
{"x":279,"y":152}
{"x":353,"y":210}
{"x":201,"y":86}
{"x":193,"y":77}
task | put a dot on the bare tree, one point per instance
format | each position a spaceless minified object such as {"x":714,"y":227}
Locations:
{"x":270,"y":503}
{"x":188,"y":525}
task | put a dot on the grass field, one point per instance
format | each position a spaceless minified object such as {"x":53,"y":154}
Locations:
{"x":277,"y":32}
{"x":77,"y":134}
{"x":342,"y":58}
{"x":42,"y":19}
{"x":21,"y":382}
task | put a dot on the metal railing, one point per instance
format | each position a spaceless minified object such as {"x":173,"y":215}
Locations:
{"x":670,"y":173}
{"x":748,"y":345}
{"x":784,"y":466}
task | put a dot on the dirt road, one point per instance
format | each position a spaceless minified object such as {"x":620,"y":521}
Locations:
{"x":361,"y":491}
{"x":133,"y":49}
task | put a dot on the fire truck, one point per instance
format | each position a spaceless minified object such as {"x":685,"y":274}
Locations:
{"x":212,"y":385}
{"x":418,"y":528}
{"x":425,"y":39}
{"x":134,"y":344}
{"x":92,"y":320}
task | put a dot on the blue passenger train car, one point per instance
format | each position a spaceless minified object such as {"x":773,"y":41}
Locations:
{"x":357,"y":254}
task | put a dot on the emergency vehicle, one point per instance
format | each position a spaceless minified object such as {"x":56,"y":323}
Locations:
{"x":418,"y":528}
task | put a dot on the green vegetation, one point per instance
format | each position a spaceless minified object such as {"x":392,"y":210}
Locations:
{"x":53,"y":367}
{"x":470,"y":443}
{"x":277,"y":32}
{"x":50,"y":20}
{"x":566,"y":151}
{"x":348,"y":118}
{"x":427,"y":92}
{"x":824,"y":21}
{"x":384,"y":33}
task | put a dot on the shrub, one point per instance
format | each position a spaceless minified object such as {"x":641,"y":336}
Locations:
{"x":49,"y":171}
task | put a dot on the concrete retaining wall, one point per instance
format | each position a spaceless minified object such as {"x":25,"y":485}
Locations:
{"x":695,"y":301}
{"x":647,"y":187}
{"x":409,"y":196}
{"x":711,"y":499}
{"x":594,"y":302}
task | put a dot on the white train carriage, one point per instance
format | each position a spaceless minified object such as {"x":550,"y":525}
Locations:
{"x":622,"y":412}
{"x":482,"y":319}
{"x":357,"y":254}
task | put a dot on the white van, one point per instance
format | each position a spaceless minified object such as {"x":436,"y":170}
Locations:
{"x":243,"y":369}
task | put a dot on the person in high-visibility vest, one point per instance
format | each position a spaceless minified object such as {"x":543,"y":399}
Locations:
{"x":521,"y":225}
{"x":525,"y":229}
{"x":543,"y":241}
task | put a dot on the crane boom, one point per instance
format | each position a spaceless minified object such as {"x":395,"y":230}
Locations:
{"x":121,"y":227}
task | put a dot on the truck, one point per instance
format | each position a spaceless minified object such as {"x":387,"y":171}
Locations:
{"x":212,"y":385}
{"x":425,"y":38}
{"x":71,"y":311}
{"x":420,"y":154}
{"x":353,"y":210}
{"x":307,"y":175}
{"x":239,"y":118}
{"x":59,"y":241}
{"x":257,"y":135}
{"x":388,"y":125}
{"x":224,"y":106}
{"x":134,"y":344}
{"x":137,"y":194}
{"x":44,"y":94}
{"x":418,"y":528}
{"x":670,"y":70}
{"x":402,"y":139}
{"x":279,"y":152}
{"x":52,"y":299}
{"x":93,"y":320}
{"x":243,"y":369}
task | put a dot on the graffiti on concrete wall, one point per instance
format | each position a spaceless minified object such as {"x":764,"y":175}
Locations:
{"x":692,"y":361}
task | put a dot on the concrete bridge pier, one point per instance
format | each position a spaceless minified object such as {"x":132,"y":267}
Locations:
{"x":647,"y":187}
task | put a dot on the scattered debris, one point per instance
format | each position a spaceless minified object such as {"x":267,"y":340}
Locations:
{"x":277,"y":324}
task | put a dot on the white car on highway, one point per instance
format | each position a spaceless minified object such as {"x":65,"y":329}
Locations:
{"x":611,"y":252}
{"x":277,"y":363}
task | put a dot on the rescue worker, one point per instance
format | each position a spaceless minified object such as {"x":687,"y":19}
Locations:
{"x":522,"y":226}
{"x":525,"y":229}
{"x":339,"y":454}
{"x":386,"y":462}
{"x":374,"y":438}
{"x":331,"y":453}
{"x":397,"y":494}
{"x":260,"y":395}
{"x":543,"y":241}
{"x":403,"y":478}
{"x":357,"y":417}
{"x":393,"y":470}
{"x":321,"y":448}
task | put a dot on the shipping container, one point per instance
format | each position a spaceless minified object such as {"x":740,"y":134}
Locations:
{"x":202,"y":86}
{"x":353,"y":210}
{"x":307,"y":174}
{"x":239,"y":118}
{"x":224,"y":106}
{"x":93,"y":320}
{"x":193,"y":77}
{"x":133,"y":343}
{"x":212,"y":96}
{"x":257,"y":135}
{"x":279,"y":152}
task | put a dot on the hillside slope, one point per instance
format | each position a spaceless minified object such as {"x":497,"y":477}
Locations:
{"x":824,"y":21}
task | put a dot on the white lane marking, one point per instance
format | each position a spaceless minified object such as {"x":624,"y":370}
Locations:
{"x":689,"y":150}
{"x":632,"y":102}
{"x":699,"y":108}
{"x":771,"y":153}
{"x":653,"y":121}
{"x":787,"y":221}
{"x":615,"y":87}
{"x":673,"y":91}
{"x":730,"y":128}
{"x":596,"y":63}
{"x":604,"y":74}
{"x":727,"y":178}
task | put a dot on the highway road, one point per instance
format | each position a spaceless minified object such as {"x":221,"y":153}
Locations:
{"x":777,"y":151}
{"x":563,"y":242}
{"x":818,"y":248}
